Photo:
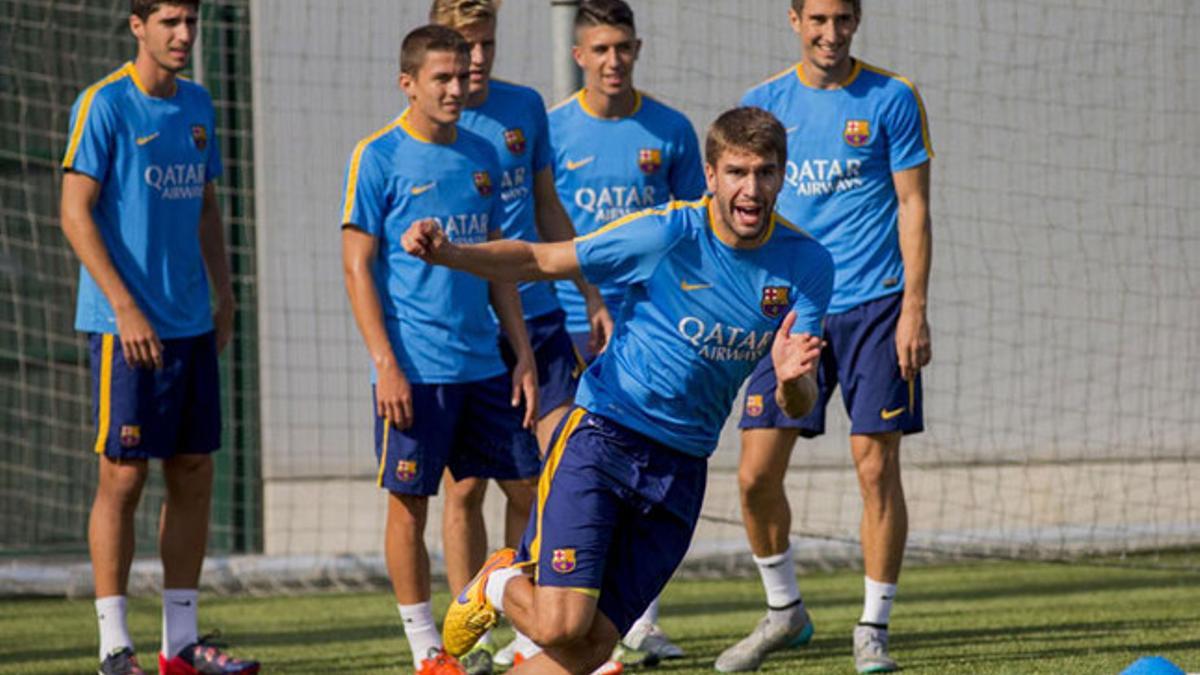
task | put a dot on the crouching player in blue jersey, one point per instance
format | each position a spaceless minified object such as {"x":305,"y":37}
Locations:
{"x":442,"y":397}
{"x":513,"y":119}
{"x":713,"y":286}
{"x":858,"y":178}
{"x":139,"y":208}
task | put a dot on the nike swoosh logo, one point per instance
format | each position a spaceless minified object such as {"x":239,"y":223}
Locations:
{"x":889,"y":414}
{"x":185,"y":603}
{"x":462,"y":597}
{"x":422,"y":189}
{"x":142,"y":140}
{"x":693,"y":287}
{"x":791,"y":129}
{"x":571,"y":166}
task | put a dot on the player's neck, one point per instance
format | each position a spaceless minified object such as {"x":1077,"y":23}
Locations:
{"x":427,"y":129}
{"x":832,"y":78}
{"x":153,"y":78}
{"x":611,"y":107}
{"x":478,"y":98}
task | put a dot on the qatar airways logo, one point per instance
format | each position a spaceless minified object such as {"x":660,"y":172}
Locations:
{"x":512,"y":185}
{"x":176,"y":181}
{"x":465,"y":228}
{"x":824,"y":176}
{"x":719,"y":342}
{"x":610,"y":203}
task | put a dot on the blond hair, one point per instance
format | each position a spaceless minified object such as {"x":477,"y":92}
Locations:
{"x":461,"y":13}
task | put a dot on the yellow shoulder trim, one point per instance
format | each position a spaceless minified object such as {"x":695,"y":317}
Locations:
{"x":355,"y":160}
{"x":792,"y":226}
{"x":916,"y":94}
{"x":783,"y":73}
{"x":858,"y":67}
{"x":671,"y":206}
{"x":85,"y":107}
{"x":566,"y":101}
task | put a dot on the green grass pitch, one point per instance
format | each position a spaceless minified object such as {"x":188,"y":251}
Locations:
{"x":970,"y":618}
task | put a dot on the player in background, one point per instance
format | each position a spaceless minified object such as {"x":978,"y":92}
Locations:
{"x":713,"y":286}
{"x":513,"y":119}
{"x":139,"y":208}
{"x":617,"y":151}
{"x":858,"y":180}
{"x":443,"y":399}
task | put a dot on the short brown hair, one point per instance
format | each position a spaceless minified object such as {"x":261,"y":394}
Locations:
{"x":604,"y":13}
{"x":144,"y":8}
{"x":460,"y":13}
{"x":798,"y":6}
{"x":427,"y":39}
{"x":746,"y":128}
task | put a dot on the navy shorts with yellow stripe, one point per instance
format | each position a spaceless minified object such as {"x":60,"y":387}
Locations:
{"x":144,"y":413}
{"x":614,"y":516}
{"x":469,"y":427}
{"x":559,"y":366}
{"x":860,"y":355}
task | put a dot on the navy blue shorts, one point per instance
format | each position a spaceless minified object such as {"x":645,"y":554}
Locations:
{"x":860,"y":354}
{"x":559,"y":366}
{"x":614,"y":516}
{"x":580,"y":340}
{"x":468,"y":427}
{"x":142,"y":413}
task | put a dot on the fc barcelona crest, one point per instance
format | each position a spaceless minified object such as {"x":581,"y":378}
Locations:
{"x":563,"y":561}
{"x":774,"y":301}
{"x":649,"y":159}
{"x":515,"y":140}
{"x":857,"y":133}
{"x":131,"y":435}
{"x":406,"y":470}
{"x":754,"y":405}
{"x":200,"y":136}
{"x":483,"y":183}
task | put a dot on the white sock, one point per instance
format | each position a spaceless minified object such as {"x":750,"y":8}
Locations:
{"x":421,"y":631}
{"x":494,"y":590}
{"x":114,"y":634}
{"x":179,"y":619}
{"x":524,"y":646}
{"x":877,"y":602}
{"x":778,"y":574}
{"x":649,"y":616}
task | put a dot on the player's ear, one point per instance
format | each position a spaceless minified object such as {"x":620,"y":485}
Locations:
{"x":137,"y":27}
{"x":637,"y":48}
{"x":794,"y":19}
{"x":577,"y":54}
{"x":404,"y":81}
{"x":710,"y":177}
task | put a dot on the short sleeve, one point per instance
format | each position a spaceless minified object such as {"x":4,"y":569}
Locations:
{"x":687,"y":169}
{"x":627,"y":250}
{"x":92,"y":136}
{"x":215,"y":168}
{"x":363,"y":203}
{"x":907,"y":131}
{"x":543,"y":154}
{"x":813,"y":290}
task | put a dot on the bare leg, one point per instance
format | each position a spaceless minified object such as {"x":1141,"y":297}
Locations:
{"x":404,"y":548}
{"x":884,"y":528}
{"x":765,"y":508}
{"x":547,"y":425}
{"x":464,"y":533}
{"x":520,"y":494}
{"x":574,"y":637}
{"x":110,"y":525}
{"x":183,"y":522}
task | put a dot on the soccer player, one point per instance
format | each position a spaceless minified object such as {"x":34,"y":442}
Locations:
{"x":617,"y":151}
{"x":713,"y":286}
{"x":442,"y":397}
{"x":513,"y":119}
{"x":140,"y":210}
{"x":858,"y":178}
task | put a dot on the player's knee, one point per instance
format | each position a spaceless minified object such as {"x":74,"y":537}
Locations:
{"x":465,"y":495}
{"x":122,"y":481}
{"x":562,"y":629}
{"x":758,"y":487}
{"x":878,"y":467}
{"x":188,"y":478}
{"x":520,"y":494}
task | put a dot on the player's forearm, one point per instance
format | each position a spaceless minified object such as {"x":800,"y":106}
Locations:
{"x":797,"y":397}
{"x":512,"y":260}
{"x":507,"y":303}
{"x":212,"y":247}
{"x":916,"y":234}
{"x":84,"y":236}
{"x":368,"y":314}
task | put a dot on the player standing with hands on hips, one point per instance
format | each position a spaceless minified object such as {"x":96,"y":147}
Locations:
{"x":858,"y":180}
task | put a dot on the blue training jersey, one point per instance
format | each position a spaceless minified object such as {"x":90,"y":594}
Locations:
{"x":152,"y":157}
{"x":437,"y":319}
{"x":608,"y":168}
{"x":513,"y":120}
{"x":844,"y":145}
{"x":699,"y":316}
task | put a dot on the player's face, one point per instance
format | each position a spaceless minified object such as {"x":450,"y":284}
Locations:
{"x":167,"y":35}
{"x":745,"y":185}
{"x":606,"y":55}
{"x":439,"y":89}
{"x":826,"y":28}
{"x":482,"y":38}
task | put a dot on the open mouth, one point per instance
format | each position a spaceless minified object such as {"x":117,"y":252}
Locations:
{"x":748,"y":215}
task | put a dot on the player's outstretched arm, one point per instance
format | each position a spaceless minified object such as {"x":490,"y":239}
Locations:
{"x":500,"y":260}
{"x":216,"y":260}
{"x":554,"y":224}
{"x":139,"y":341}
{"x":393,"y":395}
{"x":795,"y":358}
{"x":507,"y":303}
{"x":914,"y":348}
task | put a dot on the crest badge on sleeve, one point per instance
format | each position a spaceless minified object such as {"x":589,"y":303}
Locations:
{"x":857,"y":133}
{"x":649,"y":160}
{"x":515,"y":140}
{"x":563,"y":561}
{"x":774,"y":301}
